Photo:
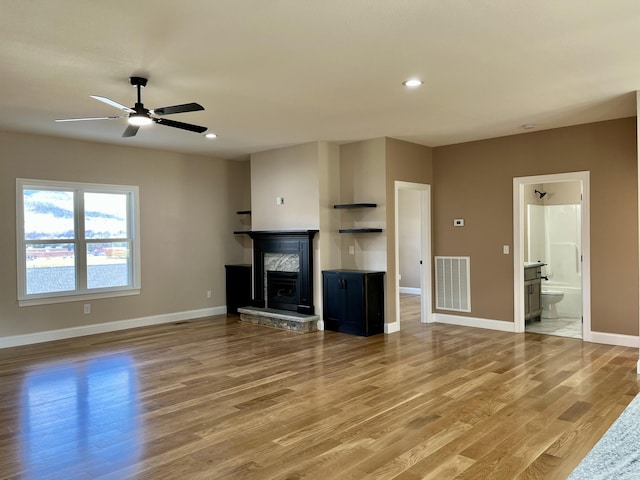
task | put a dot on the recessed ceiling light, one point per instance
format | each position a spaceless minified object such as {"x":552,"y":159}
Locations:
{"x":412,"y":83}
{"x":529,"y":126}
{"x":211,"y":135}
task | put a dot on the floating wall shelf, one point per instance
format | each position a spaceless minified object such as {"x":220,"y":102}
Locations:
{"x":360,"y":230}
{"x":244,"y":212}
{"x":356,"y":205}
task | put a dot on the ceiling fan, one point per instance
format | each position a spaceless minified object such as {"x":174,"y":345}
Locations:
{"x":139,"y":116}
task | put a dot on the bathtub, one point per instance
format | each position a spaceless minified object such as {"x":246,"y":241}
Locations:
{"x":571,"y":304}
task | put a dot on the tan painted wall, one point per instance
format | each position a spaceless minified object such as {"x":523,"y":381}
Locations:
{"x":187,"y":213}
{"x":474,"y":181}
{"x":407,"y":162}
{"x":291,"y":173}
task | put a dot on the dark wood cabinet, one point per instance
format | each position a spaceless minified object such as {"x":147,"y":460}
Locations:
{"x":353,"y":301}
{"x":238,"y":287}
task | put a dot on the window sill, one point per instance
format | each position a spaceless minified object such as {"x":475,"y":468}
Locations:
{"x":76,"y":298}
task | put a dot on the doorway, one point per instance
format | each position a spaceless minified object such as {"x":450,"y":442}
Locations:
{"x":413,"y":246}
{"x":551,"y":227}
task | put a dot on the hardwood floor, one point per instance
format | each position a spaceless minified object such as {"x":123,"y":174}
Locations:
{"x":218,"y":399}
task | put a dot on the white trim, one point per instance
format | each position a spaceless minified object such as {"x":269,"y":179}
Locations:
{"x":47,"y":336}
{"x":410,"y":290}
{"x":320,"y":324}
{"x":518,"y":245}
{"x":474,"y":322}
{"x":392,"y":327}
{"x":426,"y":315}
{"x":615,"y":339}
{"x":78,"y":298}
{"x":79,"y":241}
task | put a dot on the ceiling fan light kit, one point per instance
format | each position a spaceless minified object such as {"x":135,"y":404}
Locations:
{"x":139,"y":116}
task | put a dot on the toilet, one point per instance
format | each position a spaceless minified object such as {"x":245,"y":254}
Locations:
{"x":549,"y":299}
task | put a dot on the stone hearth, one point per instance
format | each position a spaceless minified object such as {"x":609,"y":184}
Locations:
{"x":284,"y":320}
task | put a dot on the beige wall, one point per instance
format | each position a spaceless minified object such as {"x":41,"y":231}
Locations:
{"x":240,"y":200}
{"x":186,"y":227}
{"x":303,"y":175}
{"x":291,"y":173}
{"x":362,"y":180}
{"x":474,"y":181}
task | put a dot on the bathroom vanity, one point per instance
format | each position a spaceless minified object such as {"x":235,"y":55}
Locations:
{"x":533,"y":290}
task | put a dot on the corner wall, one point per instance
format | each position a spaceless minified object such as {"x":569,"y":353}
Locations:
{"x":187,"y":216}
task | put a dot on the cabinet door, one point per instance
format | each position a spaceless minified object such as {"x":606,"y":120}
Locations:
{"x":354,"y":318}
{"x":535,"y":300}
{"x":527,"y":305}
{"x":333,"y":300}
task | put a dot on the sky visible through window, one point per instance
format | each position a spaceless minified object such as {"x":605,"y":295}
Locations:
{"x":51,"y":264}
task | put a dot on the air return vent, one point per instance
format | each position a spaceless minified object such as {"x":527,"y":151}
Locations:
{"x":452,"y":284}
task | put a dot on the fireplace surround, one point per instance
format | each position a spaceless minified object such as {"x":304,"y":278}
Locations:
{"x":287,"y":242}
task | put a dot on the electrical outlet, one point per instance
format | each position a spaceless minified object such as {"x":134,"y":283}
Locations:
{"x":352,"y":250}
{"x":87,"y":308}
{"x":279,"y":200}
{"x":209,"y":293}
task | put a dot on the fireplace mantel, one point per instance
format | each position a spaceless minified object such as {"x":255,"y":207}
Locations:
{"x":284,"y":241}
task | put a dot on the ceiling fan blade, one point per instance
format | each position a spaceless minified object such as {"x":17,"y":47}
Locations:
{"x":87,"y":118}
{"x":183,"y":126}
{"x":186,"y":107}
{"x":112,"y":103}
{"x":130,"y":131}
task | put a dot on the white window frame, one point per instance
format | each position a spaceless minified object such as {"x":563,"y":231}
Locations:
{"x":81,"y":292}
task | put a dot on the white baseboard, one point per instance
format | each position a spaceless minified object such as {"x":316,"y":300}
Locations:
{"x":411,"y":290}
{"x":474,"y":322}
{"x":63,"y":333}
{"x":392,"y":327}
{"x":614,"y":339}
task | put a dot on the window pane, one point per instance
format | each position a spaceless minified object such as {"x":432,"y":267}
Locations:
{"x":50,"y":268}
{"x":108,"y":264}
{"x":48,"y":215}
{"x":105,"y":215}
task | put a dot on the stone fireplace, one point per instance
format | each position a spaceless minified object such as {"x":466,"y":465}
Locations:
{"x":283,"y":270}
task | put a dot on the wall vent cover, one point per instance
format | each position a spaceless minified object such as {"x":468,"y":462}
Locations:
{"x":453,"y":291}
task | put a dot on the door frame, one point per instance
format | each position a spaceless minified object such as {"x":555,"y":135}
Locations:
{"x":426,"y":311}
{"x":519,"y":219}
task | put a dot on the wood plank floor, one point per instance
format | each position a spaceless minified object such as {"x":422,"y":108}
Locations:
{"x":218,"y":399}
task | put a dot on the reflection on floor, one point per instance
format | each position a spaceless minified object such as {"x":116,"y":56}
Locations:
{"x":561,"y":327}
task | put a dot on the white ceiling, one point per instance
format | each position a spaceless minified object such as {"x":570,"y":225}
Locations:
{"x":272,"y":73}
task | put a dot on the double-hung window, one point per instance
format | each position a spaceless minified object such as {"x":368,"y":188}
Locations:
{"x":76,"y":241}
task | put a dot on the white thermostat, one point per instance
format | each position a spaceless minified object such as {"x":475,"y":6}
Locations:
{"x":458,"y":222}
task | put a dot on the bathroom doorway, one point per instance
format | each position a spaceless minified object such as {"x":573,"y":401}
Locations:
{"x":551,"y":225}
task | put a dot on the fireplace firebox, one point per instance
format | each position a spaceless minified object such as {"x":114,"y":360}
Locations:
{"x":282,"y":290}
